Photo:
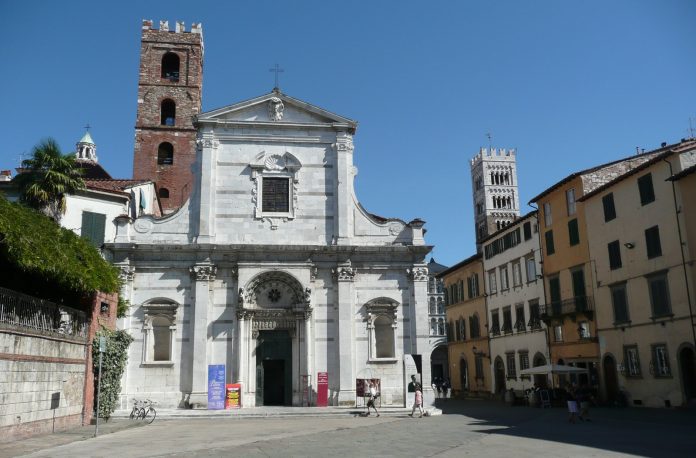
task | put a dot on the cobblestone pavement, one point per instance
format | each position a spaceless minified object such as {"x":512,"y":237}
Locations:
{"x":465,"y":428}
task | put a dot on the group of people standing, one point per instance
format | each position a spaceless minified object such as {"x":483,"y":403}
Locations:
{"x":578,"y":400}
{"x":415,"y":386}
{"x":441,"y":386}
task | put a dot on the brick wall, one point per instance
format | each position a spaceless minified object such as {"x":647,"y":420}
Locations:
{"x":186,"y":93}
{"x":101,"y":317}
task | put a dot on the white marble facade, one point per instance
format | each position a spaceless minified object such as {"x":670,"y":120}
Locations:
{"x":208,"y":284}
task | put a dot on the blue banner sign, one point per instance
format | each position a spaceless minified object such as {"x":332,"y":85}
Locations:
{"x":216,"y":387}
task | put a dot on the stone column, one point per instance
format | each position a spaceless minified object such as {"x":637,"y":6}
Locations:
{"x":420,"y":329}
{"x":203,"y":275}
{"x":346,"y":335}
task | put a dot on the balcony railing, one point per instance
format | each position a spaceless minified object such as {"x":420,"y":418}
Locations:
{"x":19,"y":310}
{"x":573,"y":306}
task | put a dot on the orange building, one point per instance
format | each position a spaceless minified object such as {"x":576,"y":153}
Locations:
{"x":467,"y":327}
{"x":569,"y":274}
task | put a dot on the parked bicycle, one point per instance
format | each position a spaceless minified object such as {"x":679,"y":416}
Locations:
{"x":143,"y":410}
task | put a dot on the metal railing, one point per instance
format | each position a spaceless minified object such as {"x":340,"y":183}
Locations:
{"x":22,"y":311}
{"x":578,"y":304}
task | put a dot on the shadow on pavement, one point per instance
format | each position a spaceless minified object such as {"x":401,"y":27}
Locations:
{"x":639,"y":431}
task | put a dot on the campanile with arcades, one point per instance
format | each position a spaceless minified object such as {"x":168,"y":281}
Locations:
{"x":169,"y":96}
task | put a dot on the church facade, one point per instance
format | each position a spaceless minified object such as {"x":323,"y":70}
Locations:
{"x":272,"y":269}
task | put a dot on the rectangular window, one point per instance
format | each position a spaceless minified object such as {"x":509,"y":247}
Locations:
{"x":520,"y":323}
{"x":462,"y":329}
{"x":492,"y":287}
{"x":652,"y":242}
{"x":93,"y":226}
{"x":447,"y":302}
{"x":511,"y":369}
{"x":524,"y":362}
{"x":548,"y":220}
{"x":461,"y":290}
{"x":531,"y":269}
{"x":495,"y":323}
{"x":516,"y":274}
{"x":631,"y":361}
{"x":570,"y":201}
{"x":276,"y":195}
{"x":504,"y":280}
{"x":609,"y":209}
{"x":507,"y":320}
{"x":549,"y":243}
{"x":620,"y":303}
{"x":555,"y":293}
{"x":645,"y":188}
{"x":659,"y":295}
{"x":614,"y":249}
{"x":573,"y":232}
{"x":527,"y":230}
{"x":534,"y":317}
{"x":558,"y":333}
{"x":660,"y":361}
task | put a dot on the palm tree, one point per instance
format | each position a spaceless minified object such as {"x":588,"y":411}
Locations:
{"x":47,"y":177}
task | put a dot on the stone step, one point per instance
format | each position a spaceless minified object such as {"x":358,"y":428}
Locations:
{"x":277,"y":412}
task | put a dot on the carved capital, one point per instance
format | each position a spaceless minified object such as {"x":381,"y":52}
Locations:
{"x":344,"y":144}
{"x":344,"y":273}
{"x":127,"y":273}
{"x":418,"y":273}
{"x":206,"y":143}
{"x":203,"y":272}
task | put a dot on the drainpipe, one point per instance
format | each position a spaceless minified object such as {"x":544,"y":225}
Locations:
{"x":681,"y":251}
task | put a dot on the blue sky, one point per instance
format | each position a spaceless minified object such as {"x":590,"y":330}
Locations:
{"x":569,"y":84}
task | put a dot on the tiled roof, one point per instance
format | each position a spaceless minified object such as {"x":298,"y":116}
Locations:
{"x":92,"y":170}
{"x":595,"y":177}
{"x":684,"y":146}
{"x":112,"y":185}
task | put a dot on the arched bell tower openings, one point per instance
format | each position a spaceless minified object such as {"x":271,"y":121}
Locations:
{"x":169,"y":96}
{"x":495,"y":193}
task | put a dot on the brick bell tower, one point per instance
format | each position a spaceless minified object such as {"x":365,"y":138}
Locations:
{"x":169,"y":96}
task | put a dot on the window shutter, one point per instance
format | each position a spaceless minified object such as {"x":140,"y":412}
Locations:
{"x":93,"y":226}
{"x":618,"y":296}
{"x":527,"y":227}
{"x":573,"y":232}
{"x":549,"y":242}
{"x":609,"y":209}
{"x":87,"y":225}
{"x":276,"y":193}
{"x":645,"y":188}
{"x":614,"y":255}
{"x":652,"y":242}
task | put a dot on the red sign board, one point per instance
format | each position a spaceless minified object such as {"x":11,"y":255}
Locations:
{"x":322,"y":389}
{"x":233,"y":396}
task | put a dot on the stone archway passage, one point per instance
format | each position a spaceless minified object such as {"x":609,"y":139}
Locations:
{"x":611,"y":380}
{"x":687,"y":368}
{"x":438,"y":363}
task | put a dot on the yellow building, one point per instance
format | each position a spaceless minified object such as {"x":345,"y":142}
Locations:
{"x":467,"y":327}
{"x":641,"y":290}
{"x":568,"y":272}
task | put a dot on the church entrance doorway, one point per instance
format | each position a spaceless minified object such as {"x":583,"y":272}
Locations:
{"x":274,"y":368}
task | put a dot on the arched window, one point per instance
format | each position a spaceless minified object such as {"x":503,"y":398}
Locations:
{"x":164,"y":193}
{"x":384,"y":337}
{"x":440,"y":306}
{"x":167,"y":112}
{"x":165,"y":154}
{"x":462,"y":328}
{"x":170,"y":66}
{"x":433,"y":307}
{"x":433,"y":327}
{"x":441,"y":327}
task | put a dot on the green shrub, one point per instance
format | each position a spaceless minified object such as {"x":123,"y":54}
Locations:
{"x":113,"y":365}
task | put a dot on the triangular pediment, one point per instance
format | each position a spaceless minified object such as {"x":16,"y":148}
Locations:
{"x":274,"y":108}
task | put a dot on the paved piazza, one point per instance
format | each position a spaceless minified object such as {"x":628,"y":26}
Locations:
{"x":466,"y":428}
